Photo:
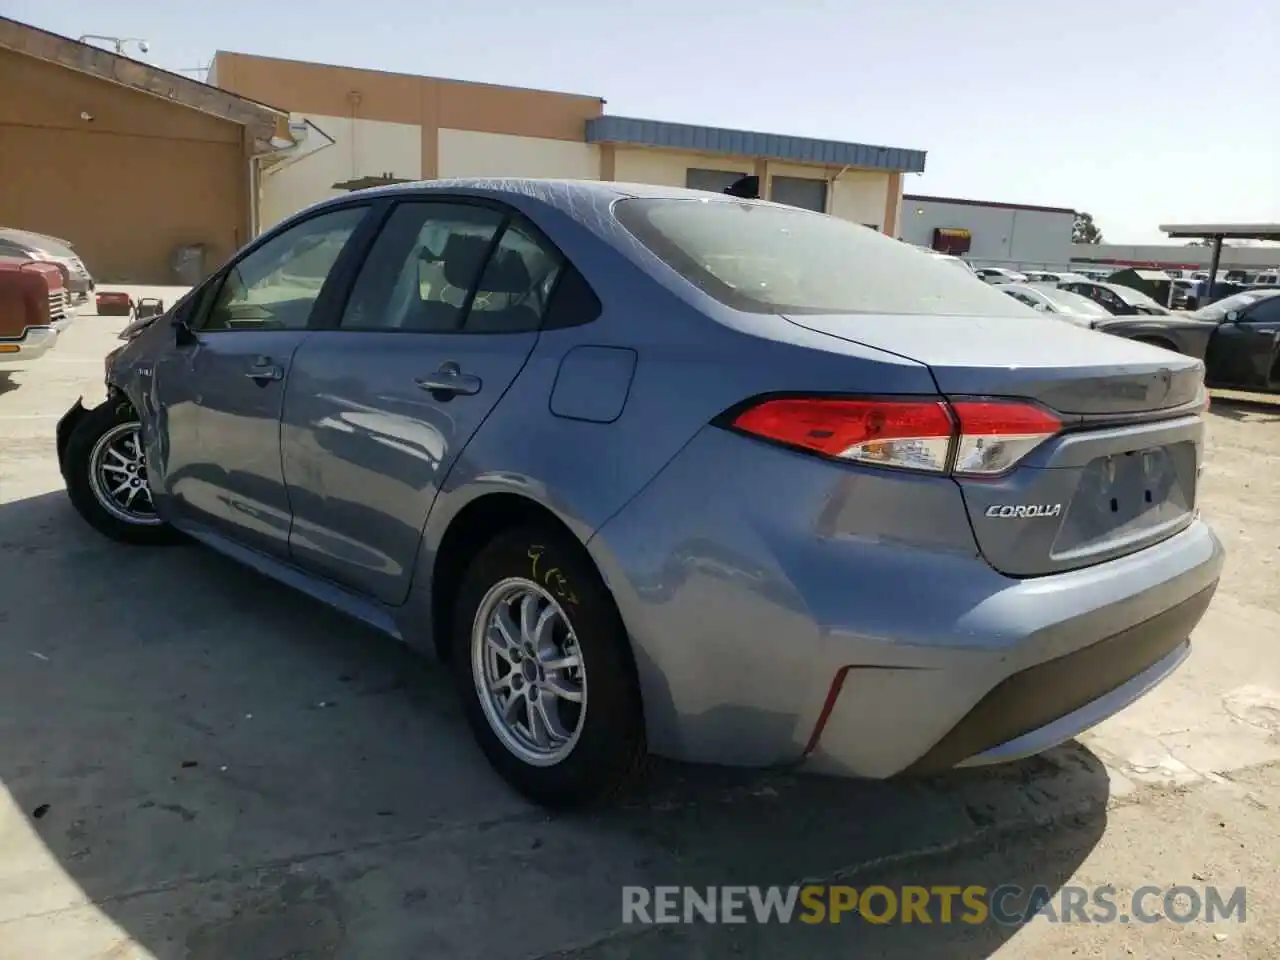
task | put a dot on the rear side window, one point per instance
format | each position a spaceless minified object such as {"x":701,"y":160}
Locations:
{"x":516,"y":284}
{"x":761,"y":258}
{"x":423,"y":267}
{"x":454,"y":267}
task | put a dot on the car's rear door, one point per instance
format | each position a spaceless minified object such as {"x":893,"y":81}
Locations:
{"x":441,"y":319}
{"x":219,"y":392}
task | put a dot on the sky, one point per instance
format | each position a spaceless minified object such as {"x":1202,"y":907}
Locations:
{"x":1138,"y":112}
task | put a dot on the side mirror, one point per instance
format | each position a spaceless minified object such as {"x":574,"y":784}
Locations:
{"x":1233,"y":316}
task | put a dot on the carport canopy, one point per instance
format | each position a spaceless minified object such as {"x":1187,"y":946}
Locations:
{"x":1227,"y":231}
{"x":1217,"y":232}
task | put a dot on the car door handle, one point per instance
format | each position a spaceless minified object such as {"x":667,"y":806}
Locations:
{"x":264,"y":371}
{"x":450,"y":381}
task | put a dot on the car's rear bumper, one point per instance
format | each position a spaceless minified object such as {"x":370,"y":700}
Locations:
{"x":35,"y":342}
{"x":1087,"y":660}
{"x":767,"y":631}
{"x":1040,"y":738}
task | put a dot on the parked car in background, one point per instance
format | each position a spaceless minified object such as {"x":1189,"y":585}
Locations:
{"x":33,"y":305}
{"x":1053,"y":300}
{"x":1049,"y":276}
{"x":1244,"y":350}
{"x":36,"y":246}
{"x":1000,"y":275}
{"x":954,"y":261}
{"x":1238,"y":338}
{"x":947,"y":258}
{"x":653,"y":469}
{"x":1184,"y":292}
{"x":1198,"y":296}
{"x":1118,"y":299}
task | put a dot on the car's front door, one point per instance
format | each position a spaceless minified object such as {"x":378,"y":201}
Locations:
{"x":440,"y":321}
{"x":1245,"y":351}
{"x":220,"y":390}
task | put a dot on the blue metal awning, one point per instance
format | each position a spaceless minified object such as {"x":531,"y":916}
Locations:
{"x":744,"y":143}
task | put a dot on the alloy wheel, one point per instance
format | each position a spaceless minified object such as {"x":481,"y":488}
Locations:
{"x":528,"y":671}
{"x":118,"y":476}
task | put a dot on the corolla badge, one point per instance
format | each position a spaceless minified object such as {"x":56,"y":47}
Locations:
{"x":1024,"y":512}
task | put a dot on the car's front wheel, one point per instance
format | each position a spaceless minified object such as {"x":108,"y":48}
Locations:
{"x":106,"y":474}
{"x":544,"y":669}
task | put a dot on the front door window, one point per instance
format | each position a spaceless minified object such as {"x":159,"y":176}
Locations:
{"x":275,"y":286}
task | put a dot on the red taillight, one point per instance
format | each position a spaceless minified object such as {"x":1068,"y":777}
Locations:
{"x":900,"y":433}
{"x":996,"y":434}
{"x":979,"y":437}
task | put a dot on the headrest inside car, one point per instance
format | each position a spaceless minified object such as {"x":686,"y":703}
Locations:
{"x":506,"y":273}
{"x":463,"y":255}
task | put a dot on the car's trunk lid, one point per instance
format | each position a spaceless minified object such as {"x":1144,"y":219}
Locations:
{"x":1121,"y":475}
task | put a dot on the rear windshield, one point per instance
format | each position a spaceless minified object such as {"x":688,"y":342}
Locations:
{"x":1074,"y":302}
{"x":761,"y":258}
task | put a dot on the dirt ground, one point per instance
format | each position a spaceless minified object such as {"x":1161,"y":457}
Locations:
{"x":196,"y":763}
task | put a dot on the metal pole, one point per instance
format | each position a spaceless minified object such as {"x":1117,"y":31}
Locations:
{"x":1213,"y":268}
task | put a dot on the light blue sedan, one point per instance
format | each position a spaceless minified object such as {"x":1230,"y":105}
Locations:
{"x":656,"y":470}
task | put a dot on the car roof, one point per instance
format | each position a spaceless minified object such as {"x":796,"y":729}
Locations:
{"x":565,"y":194}
{"x":1119,"y":288}
{"x":31,"y":238}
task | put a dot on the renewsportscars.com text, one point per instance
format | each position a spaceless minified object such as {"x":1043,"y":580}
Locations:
{"x":1007,"y":905}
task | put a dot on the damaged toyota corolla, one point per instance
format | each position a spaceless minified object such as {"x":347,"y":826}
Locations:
{"x":672,"y":472}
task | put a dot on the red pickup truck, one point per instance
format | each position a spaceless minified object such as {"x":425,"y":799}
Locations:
{"x":34,"y":307}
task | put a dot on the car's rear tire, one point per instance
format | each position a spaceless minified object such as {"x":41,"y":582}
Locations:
{"x":543,"y":665}
{"x":107,"y":480}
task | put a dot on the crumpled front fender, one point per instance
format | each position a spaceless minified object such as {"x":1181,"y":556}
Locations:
{"x":66,"y":426}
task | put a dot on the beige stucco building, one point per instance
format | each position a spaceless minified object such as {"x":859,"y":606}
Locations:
{"x":366,"y":126}
{"x":125,"y":161}
{"x":129,"y":162}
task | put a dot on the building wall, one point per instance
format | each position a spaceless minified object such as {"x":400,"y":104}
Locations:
{"x":409,"y":126}
{"x":474,"y":153}
{"x":125,"y":188}
{"x":361,"y":147}
{"x":1000,"y":234}
{"x":1178,"y":254}
{"x":471,"y":129}
{"x":670,"y":168}
{"x":864,"y":196}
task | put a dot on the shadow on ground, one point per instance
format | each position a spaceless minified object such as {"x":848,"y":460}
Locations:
{"x":212,"y":767}
{"x":7,"y":382}
{"x":1258,"y":409}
